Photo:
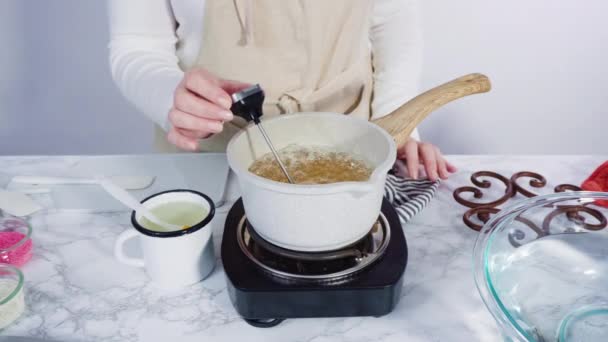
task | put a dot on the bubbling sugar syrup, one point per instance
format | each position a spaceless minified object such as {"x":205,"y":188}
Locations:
{"x":313,"y":165}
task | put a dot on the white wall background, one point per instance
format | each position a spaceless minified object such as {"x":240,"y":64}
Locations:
{"x":59,"y":97}
{"x":546,"y":58}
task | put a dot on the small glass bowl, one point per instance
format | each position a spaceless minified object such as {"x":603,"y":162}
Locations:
{"x":15,"y":241}
{"x":541,"y":268}
{"x":12,"y":300}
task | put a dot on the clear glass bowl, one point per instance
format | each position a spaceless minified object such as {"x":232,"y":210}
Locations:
{"x":541,"y":268}
{"x":12,"y":302}
{"x":15,"y":241}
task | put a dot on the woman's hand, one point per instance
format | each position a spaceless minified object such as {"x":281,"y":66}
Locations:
{"x":416,"y":154}
{"x":201,"y":105}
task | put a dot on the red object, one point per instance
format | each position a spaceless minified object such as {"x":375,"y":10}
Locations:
{"x":598,"y":181}
{"x":18,"y":256}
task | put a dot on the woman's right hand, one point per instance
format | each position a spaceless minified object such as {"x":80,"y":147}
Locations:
{"x":201,"y":105}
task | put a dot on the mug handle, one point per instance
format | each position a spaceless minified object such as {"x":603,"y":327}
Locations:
{"x":119,"y":251}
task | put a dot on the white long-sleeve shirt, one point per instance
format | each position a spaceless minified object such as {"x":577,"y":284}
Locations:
{"x":153,"y":41}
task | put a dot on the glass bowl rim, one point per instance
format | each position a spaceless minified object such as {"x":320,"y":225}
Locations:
{"x":484,"y":241}
{"x":584,"y":312}
{"x":17,"y":288}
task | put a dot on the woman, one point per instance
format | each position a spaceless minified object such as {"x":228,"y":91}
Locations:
{"x":178,"y":61}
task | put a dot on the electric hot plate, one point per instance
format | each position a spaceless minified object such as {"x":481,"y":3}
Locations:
{"x":267,"y":283}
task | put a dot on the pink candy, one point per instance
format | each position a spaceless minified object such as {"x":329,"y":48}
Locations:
{"x":18,"y":256}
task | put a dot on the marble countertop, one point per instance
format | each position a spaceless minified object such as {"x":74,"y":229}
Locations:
{"x":76,"y":291}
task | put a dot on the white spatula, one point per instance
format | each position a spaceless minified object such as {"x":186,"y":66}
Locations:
{"x":125,"y":198}
{"x":125,"y":182}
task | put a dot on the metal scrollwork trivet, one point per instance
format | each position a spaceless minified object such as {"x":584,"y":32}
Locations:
{"x":482,"y":211}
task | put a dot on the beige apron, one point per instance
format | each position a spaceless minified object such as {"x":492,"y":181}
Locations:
{"x":308,"y":55}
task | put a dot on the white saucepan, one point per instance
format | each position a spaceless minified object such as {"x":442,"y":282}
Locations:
{"x":325,"y":217}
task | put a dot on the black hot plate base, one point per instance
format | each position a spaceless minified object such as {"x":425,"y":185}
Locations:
{"x":264,"y":301}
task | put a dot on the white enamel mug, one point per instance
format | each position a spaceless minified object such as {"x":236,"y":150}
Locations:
{"x":172,"y":259}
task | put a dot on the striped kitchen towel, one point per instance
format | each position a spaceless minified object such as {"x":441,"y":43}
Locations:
{"x":408,"y":196}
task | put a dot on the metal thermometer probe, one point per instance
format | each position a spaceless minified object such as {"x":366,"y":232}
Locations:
{"x":247,"y":104}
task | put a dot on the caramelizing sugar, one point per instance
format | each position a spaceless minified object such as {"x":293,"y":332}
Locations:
{"x":312,"y":165}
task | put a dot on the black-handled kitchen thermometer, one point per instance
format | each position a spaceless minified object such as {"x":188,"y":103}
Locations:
{"x":247,"y":104}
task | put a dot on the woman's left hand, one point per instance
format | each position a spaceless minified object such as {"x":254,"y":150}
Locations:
{"x":416,"y":154}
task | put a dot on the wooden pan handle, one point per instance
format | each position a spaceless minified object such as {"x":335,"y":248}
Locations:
{"x":402,"y":121}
